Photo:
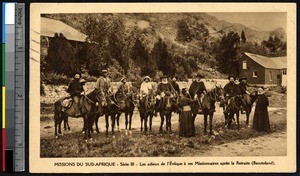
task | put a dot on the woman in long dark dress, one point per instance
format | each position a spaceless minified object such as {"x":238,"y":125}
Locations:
{"x":261,"y":120}
{"x":186,"y":121}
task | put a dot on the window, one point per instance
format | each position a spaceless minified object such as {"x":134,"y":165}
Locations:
{"x":244,"y":65}
{"x":270,"y":75}
{"x":283,"y":72}
{"x":255,"y":74}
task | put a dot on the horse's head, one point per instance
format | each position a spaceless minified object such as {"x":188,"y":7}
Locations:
{"x":219,"y":92}
{"x":168,"y":102}
{"x":100,"y":97}
{"x":136,"y":99}
{"x":119,"y":98}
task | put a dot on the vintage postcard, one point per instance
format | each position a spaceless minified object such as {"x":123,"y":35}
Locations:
{"x":162,"y":87}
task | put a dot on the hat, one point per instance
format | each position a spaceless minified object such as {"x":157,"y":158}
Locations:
{"x":243,"y":78}
{"x":231,"y":77}
{"x":147,"y":77}
{"x":199,"y":75}
{"x":77,"y":73}
{"x":124,"y":78}
{"x":164,"y":76}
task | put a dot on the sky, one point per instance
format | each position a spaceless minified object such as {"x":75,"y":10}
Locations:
{"x":256,"y":20}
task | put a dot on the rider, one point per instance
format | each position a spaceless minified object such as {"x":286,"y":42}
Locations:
{"x":104,"y":85}
{"x":231,"y":89}
{"x":164,"y":88}
{"x":146,"y":86}
{"x":124,"y":86}
{"x":75,"y":89}
{"x":175,"y":85}
{"x":243,"y":88}
{"x":198,"y":88}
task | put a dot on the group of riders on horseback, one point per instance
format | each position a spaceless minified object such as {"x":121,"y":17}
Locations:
{"x":165,"y":99}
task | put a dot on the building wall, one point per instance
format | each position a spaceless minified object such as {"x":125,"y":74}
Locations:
{"x":276,"y":76}
{"x":251,"y":67}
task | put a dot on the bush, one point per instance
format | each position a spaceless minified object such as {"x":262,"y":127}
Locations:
{"x":55,"y":79}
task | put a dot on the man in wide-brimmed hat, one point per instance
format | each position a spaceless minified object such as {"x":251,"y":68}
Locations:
{"x":124,"y":86}
{"x":164,"y":87}
{"x":75,"y":89}
{"x":175,"y":85}
{"x":231,"y":89}
{"x":146,"y":86}
{"x":103,"y":83}
{"x":197,"y":86}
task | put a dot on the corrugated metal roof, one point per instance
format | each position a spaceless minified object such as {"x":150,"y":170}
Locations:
{"x":269,"y":62}
{"x":49,"y":27}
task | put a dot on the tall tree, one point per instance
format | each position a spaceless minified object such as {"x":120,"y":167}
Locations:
{"x":163,"y":58}
{"x":228,"y":53}
{"x":243,"y":37}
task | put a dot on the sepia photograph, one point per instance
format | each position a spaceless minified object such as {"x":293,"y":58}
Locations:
{"x":140,"y":89}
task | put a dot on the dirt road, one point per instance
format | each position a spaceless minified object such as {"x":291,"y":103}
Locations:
{"x":273,"y":144}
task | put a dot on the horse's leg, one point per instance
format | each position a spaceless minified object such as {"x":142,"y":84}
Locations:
{"x":150,"y":122}
{"x":113,"y":117}
{"x":170,"y":125}
{"x":247,"y":116}
{"x":89,"y":125}
{"x":145,"y":123}
{"x":205,"y":122}
{"x":67,"y":123}
{"x":142,"y":118}
{"x":130,"y":119}
{"x":96,"y":123}
{"x":238,"y":119}
{"x":106,"y":124}
{"x":126,"y":120}
{"x":211,"y":123}
{"x":162,"y":118}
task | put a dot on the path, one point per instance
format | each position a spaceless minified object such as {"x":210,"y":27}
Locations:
{"x":273,"y":144}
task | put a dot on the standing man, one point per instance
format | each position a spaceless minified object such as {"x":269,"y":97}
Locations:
{"x":75,"y":89}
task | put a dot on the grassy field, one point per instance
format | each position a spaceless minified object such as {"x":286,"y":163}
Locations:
{"x":137,"y":144}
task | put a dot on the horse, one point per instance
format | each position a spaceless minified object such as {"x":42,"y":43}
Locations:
{"x":167,"y":106}
{"x":146,"y":108}
{"x":234,"y":106}
{"x":132,"y":100}
{"x":115,"y":103}
{"x":87,"y":108}
{"x":208,"y":106}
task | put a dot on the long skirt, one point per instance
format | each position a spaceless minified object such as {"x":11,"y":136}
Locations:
{"x":186,"y":124}
{"x":261,"y":120}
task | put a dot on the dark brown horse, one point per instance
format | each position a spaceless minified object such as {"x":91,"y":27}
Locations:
{"x":132,"y":100}
{"x":87,"y":108}
{"x":208,"y":106}
{"x":234,"y":105}
{"x":115,"y":104}
{"x":147,"y":108}
{"x":168,"y":105}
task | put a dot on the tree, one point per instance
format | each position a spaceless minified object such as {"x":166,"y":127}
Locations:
{"x":273,"y":44}
{"x":163,"y":58}
{"x":183,"y":31}
{"x":228,"y":53}
{"x":243,"y":36}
